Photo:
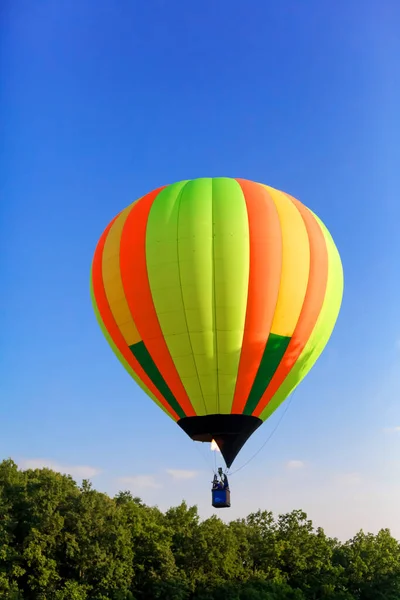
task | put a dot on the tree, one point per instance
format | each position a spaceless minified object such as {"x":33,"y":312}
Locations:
{"x":96,"y":548}
{"x":59,"y":541}
{"x":372,"y":565}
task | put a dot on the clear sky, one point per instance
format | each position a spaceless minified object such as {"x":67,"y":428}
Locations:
{"x":103,"y":101}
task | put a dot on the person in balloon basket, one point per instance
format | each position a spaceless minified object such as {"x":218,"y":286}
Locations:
{"x":221,"y":484}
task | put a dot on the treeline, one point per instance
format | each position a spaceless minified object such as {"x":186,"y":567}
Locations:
{"x":59,"y":541}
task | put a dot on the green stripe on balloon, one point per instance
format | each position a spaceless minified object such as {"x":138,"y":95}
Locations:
{"x":195,"y":264}
{"x":143,"y":357}
{"x":197,"y":253}
{"x":274,"y":350}
{"x":231,"y":256}
{"x":163,"y":269}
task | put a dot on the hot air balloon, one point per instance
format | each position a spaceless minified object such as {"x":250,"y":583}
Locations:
{"x":218,"y":295}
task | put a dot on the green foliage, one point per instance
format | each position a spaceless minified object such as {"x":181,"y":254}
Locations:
{"x":59,"y":541}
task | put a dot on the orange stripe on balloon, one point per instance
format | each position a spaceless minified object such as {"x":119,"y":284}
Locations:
{"x":138,"y":294}
{"x":312,"y":305}
{"x":264,"y":280}
{"x":112,"y":327}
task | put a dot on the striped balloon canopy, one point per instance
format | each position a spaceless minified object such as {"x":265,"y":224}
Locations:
{"x":217,"y":295}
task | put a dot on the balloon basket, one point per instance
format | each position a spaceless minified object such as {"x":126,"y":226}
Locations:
{"x":221,"y":498}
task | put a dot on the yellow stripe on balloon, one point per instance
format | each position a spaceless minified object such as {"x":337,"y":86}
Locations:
{"x":113,"y":282}
{"x":322,"y":330}
{"x":295,"y":265}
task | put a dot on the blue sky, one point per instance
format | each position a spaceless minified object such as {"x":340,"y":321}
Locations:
{"x":102,"y":102}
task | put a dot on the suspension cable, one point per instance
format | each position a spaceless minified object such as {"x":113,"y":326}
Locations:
{"x":267,"y":440}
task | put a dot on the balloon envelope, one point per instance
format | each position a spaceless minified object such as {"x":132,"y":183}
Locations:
{"x":218,"y":296}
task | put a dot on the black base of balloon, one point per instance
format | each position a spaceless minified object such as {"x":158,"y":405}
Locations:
{"x":230,"y":432}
